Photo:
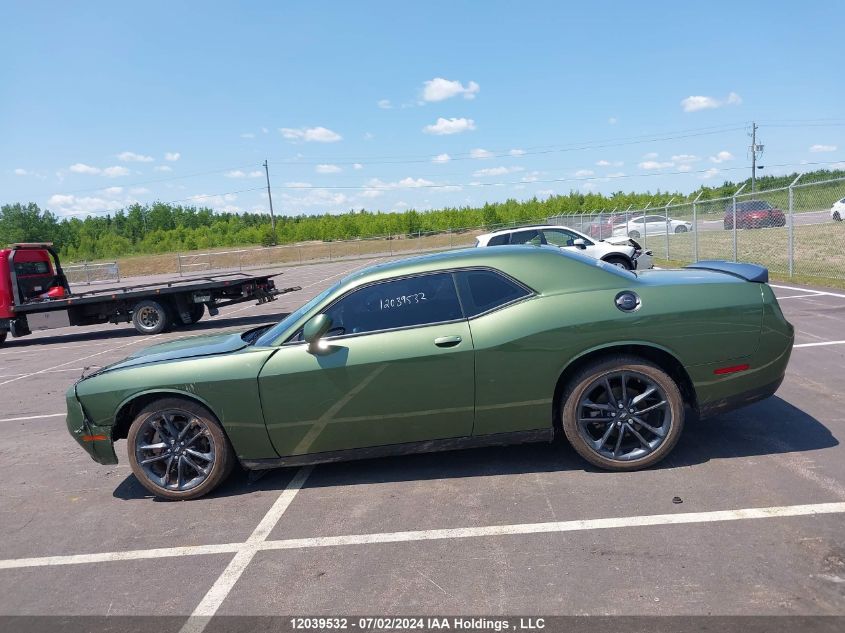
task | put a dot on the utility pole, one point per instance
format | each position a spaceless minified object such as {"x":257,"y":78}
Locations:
{"x":754,"y":151}
{"x":270,"y":198}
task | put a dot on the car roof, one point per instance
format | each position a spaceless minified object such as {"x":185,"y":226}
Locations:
{"x":529,"y":264}
{"x":525,"y":228}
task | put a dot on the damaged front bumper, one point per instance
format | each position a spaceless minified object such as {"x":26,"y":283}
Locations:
{"x":96,"y":440}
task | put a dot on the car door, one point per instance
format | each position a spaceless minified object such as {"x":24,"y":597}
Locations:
{"x":397,"y":367}
{"x":566,"y":239}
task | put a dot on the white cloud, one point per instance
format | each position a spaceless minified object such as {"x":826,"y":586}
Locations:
{"x":615,"y":163}
{"x":480,"y":153}
{"x":721,"y":157}
{"x":439,"y":89}
{"x":113,"y":191}
{"x":650,"y":156}
{"x":139,"y":191}
{"x":217,"y":202}
{"x":264,"y":130}
{"x":115,"y":171}
{"x":685,"y":158}
{"x":369,"y":136}
{"x":238,"y":173}
{"x":532,"y":176}
{"x":372,"y":193}
{"x":357,"y":166}
{"x":317,"y":134}
{"x":82,"y":168}
{"x":616,"y":174}
{"x":247,"y":135}
{"x":653,"y":164}
{"x":450,"y":126}
{"x":603,"y":163}
{"x":710,"y":173}
{"x":441,"y":158}
{"x":162,"y":168}
{"x":405,"y":183}
{"x":67,"y":204}
{"x":613,"y":120}
{"x":517,"y":152}
{"x":584,"y":173}
{"x":496,"y":171}
{"x":685,"y":167}
{"x":298,"y":185}
{"x":172,"y":156}
{"x":328,"y":169}
{"x":384,"y":104}
{"x":322,"y":198}
{"x":694,"y":103}
{"x":132,"y":157}
{"x":822,"y":148}
{"x":22,"y":172}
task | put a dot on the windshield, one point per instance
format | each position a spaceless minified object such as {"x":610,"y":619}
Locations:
{"x":277,"y":330}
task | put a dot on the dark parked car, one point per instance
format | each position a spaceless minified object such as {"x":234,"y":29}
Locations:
{"x":753,"y":214}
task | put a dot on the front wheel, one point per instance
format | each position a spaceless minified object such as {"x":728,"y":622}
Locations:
{"x":619,"y":262}
{"x":680,"y":229}
{"x":836,"y":216}
{"x":178,"y":450}
{"x":622,"y":413}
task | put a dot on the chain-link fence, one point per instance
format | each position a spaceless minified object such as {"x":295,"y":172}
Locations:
{"x":87,"y":273}
{"x":796,"y":231}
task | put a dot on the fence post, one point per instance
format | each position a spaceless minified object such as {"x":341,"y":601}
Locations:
{"x":601,"y":228}
{"x":179,"y":263}
{"x":87,"y":274}
{"x":695,"y":228}
{"x":736,"y":193}
{"x":645,"y":226}
{"x":790,"y":251}
{"x":450,"y":237}
{"x":627,"y":217}
{"x":666,"y":216}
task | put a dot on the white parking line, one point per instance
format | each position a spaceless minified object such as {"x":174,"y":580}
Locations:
{"x":34,"y":417}
{"x":52,"y":371}
{"x":266,"y":525}
{"x":820,"y":344}
{"x":76,"y":360}
{"x":815,"y":294}
{"x":818,"y":292}
{"x":223,"y":585}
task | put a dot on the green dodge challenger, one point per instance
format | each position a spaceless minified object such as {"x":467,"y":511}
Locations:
{"x":466,"y":348}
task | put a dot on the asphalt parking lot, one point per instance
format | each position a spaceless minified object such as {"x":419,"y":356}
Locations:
{"x":518,"y":530}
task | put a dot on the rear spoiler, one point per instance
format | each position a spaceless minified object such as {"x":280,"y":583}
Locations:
{"x":749,"y":272}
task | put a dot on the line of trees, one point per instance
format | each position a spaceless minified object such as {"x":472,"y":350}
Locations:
{"x":162,"y":228}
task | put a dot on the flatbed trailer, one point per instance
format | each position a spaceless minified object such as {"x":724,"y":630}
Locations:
{"x":35,"y":295}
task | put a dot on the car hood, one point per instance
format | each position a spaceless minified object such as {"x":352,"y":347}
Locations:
{"x":191,"y":347}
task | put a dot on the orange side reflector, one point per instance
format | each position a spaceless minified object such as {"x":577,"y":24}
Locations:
{"x":730,"y":370}
{"x":93,"y":438}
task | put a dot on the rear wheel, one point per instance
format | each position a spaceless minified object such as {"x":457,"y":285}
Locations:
{"x":178,"y":450}
{"x":3,"y":337}
{"x":622,"y":413}
{"x":150,"y":317}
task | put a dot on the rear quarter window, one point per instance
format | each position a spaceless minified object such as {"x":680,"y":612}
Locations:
{"x":485,"y":290}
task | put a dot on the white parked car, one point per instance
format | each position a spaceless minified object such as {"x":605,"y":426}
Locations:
{"x":619,"y":251}
{"x":650,"y":225}
{"x":837,"y":211}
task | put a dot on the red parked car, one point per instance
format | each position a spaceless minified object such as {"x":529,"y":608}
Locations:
{"x":753,"y":214}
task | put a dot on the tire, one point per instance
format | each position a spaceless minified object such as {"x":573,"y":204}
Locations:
{"x":680,"y":229}
{"x":171,"y":419}
{"x":836,"y":217}
{"x":151,"y":317}
{"x":197,"y":311}
{"x":631,"y":454}
{"x":3,"y":337}
{"x":621,"y":262}
{"x":634,"y":235}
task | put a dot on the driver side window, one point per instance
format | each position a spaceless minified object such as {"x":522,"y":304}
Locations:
{"x":399,"y":303}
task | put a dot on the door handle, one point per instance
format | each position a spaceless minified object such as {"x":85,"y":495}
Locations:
{"x":447,"y":341}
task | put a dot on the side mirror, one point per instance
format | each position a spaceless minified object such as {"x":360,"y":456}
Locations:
{"x":315,"y":329}
{"x":579,"y":243}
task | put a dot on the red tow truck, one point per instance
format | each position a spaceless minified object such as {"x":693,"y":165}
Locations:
{"x":35,"y":295}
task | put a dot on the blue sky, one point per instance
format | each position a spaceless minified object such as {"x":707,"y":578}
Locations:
{"x":390,"y":105}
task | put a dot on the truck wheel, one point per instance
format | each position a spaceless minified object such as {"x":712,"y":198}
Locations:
{"x":2,"y":337}
{"x":197,"y":310}
{"x":150,"y":317}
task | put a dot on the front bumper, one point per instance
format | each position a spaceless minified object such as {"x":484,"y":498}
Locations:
{"x":96,"y":440}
